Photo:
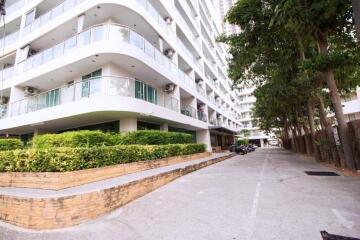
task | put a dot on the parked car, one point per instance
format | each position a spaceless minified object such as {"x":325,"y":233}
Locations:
{"x":274,"y":142}
{"x":238,"y":149}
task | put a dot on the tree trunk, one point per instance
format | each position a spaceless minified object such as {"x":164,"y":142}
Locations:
{"x":307,"y":142}
{"x":336,"y":101}
{"x":294,"y":135}
{"x":329,"y":131}
{"x":311,"y":116}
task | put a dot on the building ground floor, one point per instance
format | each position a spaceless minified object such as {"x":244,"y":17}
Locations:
{"x":215,"y":139}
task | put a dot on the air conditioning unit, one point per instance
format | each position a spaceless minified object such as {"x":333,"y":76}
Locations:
{"x":32,"y":52}
{"x":169,"y":52}
{"x":168,"y":20}
{"x":30,"y":91}
{"x":169,"y":88}
{"x":200,"y":82}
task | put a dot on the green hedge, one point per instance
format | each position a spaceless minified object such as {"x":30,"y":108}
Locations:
{"x":70,"y":159}
{"x":153,"y":137}
{"x":10,"y":144}
{"x":83,"y":138}
{"x":97,"y":138}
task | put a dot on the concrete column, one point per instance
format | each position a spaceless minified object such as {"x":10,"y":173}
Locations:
{"x":80,"y":23}
{"x":128,"y":124}
{"x":203,"y":136}
{"x":164,"y":127}
{"x":262,"y":143}
{"x":161,"y":44}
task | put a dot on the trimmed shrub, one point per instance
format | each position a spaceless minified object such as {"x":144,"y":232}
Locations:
{"x":87,"y":138}
{"x":10,"y":144}
{"x":70,"y":159}
{"x":153,"y":137}
{"x":83,"y":138}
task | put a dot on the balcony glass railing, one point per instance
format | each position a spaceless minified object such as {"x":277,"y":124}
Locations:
{"x":190,"y":12}
{"x":3,"y":111}
{"x":202,"y":116}
{"x":200,"y":90}
{"x":186,"y":79}
{"x":213,"y":121}
{"x":50,"y":15}
{"x":7,"y":73}
{"x":98,"y":33}
{"x":14,"y":7}
{"x":193,"y":36}
{"x":156,"y":16}
{"x":98,"y":86}
{"x":9,"y":39}
{"x":188,"y":111}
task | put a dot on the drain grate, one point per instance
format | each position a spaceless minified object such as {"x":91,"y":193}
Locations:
{"x":321,"y":173}
{"x":328,"y":236}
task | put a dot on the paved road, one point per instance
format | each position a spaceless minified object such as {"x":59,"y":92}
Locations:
{"x":264,"y":195}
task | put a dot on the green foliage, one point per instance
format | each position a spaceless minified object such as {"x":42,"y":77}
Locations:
{"x":242,"y":142}
{"x":70,"y":159}
{"x":83,"y":138}
{"x":10,"y":144}
{"x":153,"y":137}
{"x":97,"y":138}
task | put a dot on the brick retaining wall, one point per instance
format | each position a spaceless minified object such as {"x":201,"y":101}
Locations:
{"x":60,"y":212}
{"x":61,"y":180}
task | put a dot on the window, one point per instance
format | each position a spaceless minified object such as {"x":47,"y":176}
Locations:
{"x":52,"y":98}
{"x":145,"y":92}
{"x":30,"y":16}
{"x":91,"y":83}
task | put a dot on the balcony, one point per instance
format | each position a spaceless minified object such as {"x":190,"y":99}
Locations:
{"x":156,"y":16}
{"x":3,"y":111}
{"x":188,"y":111}
{"x":89,"y":88}
{"x":50,"y":15}
{"x":114,"y":32}
{"x":200,"y":90}
{"x":14,"y":7}
{"x":202,"y":116}
{"x":9,"y":39}
{"x":183,"y":77}
{"x":7,"y":74}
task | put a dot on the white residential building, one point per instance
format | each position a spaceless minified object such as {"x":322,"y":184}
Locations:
{"x":116,"y":65}
{"x":225,"y":6}
{"x":247,"y":101}
{"x":245,"y":94}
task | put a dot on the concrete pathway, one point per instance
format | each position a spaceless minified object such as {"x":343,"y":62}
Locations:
{"x":264,"y":195}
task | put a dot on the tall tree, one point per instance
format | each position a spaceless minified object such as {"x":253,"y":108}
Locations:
{"x":323,"y":20}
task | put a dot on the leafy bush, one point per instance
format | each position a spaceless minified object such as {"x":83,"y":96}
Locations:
{"x":10,"y":144}
{"x":70,"y":159}
{"x":153,"y":137}
{"x":83,"y":138}
{"x":97,"y":138}
{"x":242,"y":142}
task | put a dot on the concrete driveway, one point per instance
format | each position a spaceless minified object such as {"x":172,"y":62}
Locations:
{"x":261,"y":196}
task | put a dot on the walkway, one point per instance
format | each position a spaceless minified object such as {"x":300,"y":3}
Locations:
{"x":264,"y":195}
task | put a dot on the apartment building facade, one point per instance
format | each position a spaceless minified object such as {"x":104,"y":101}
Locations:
{"x":225,"y":6}
{"x":115,"y":65}
{"x":245,"y":93}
